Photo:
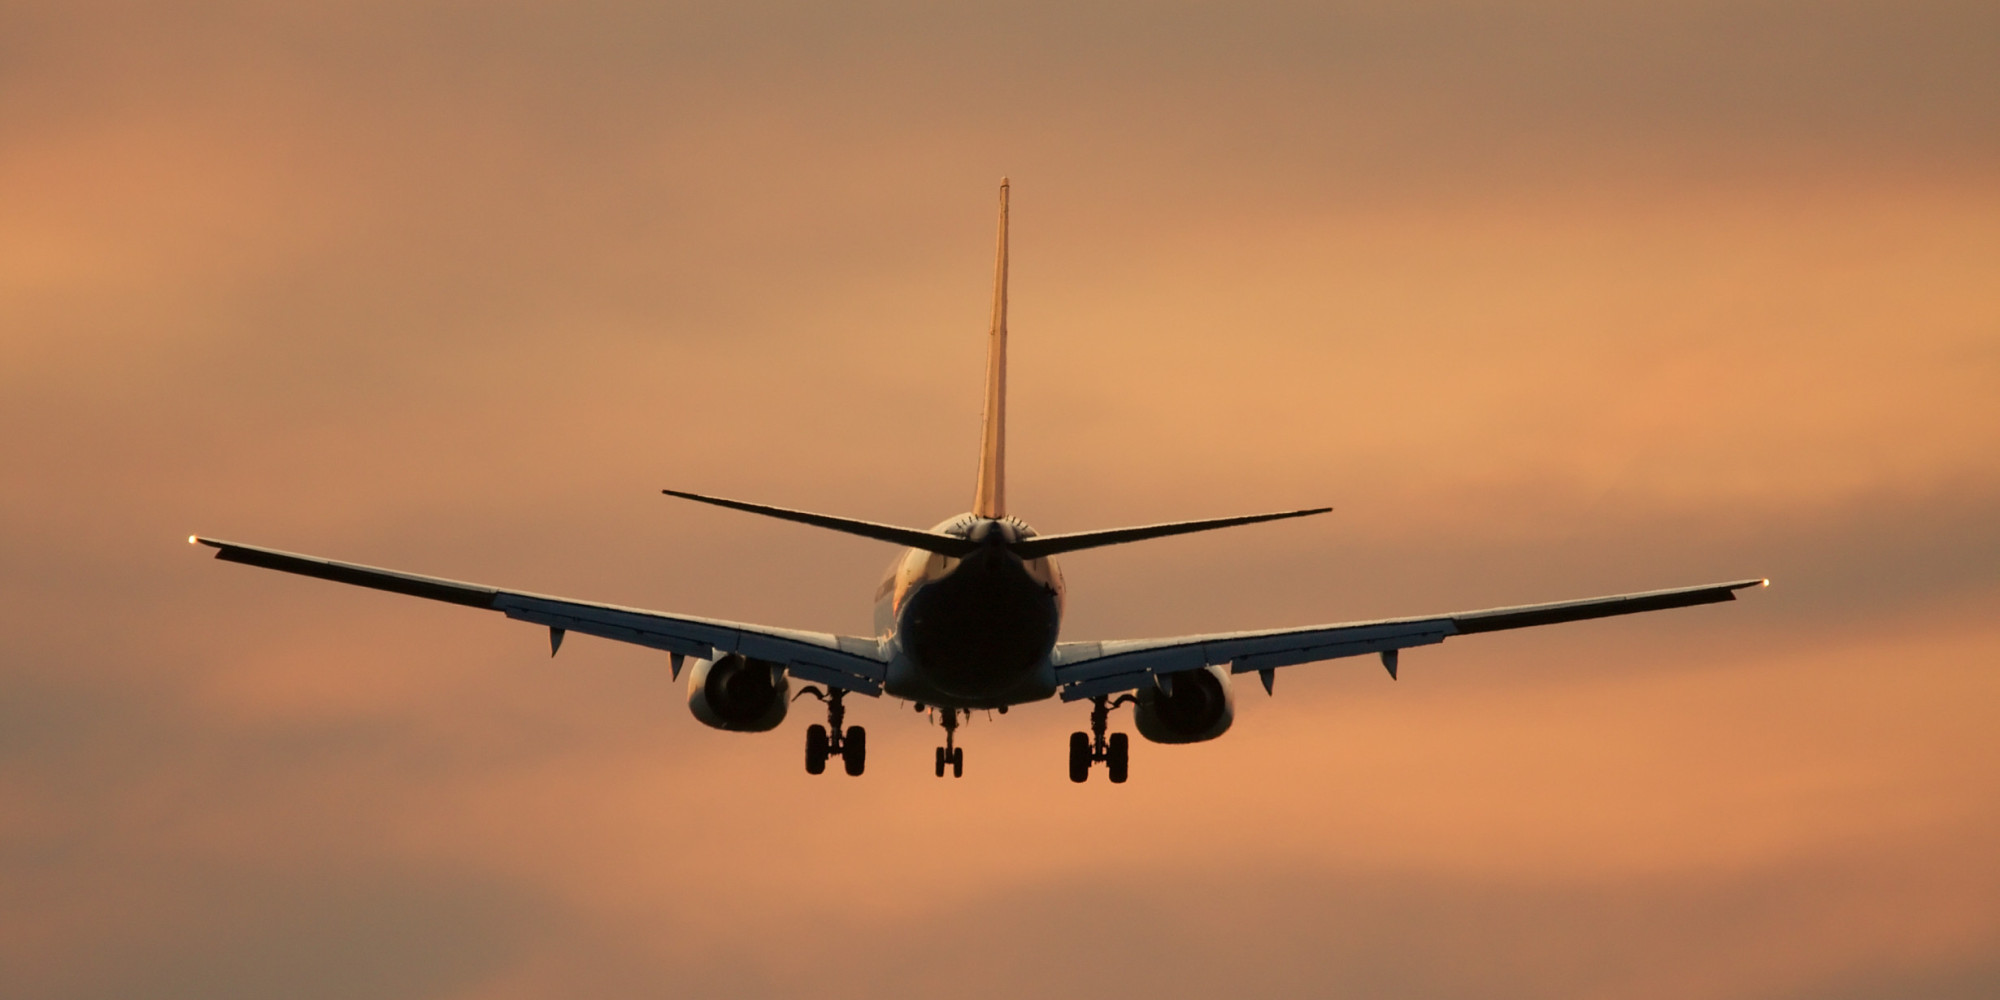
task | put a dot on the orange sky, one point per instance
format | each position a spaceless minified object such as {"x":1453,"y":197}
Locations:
{"x":1547,"y":300}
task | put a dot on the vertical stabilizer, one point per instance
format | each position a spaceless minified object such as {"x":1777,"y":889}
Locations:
{"x":989,"y":497}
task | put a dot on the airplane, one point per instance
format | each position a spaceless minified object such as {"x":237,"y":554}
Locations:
{"x":969,"y":617}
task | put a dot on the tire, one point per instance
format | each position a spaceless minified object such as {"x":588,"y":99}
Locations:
{"x":940,"y":762}
{"x":1119,"y":757}
{"x":854,"y":751}
{"x":815,"y":749}
{"x":958,"y":762}
{"x":1079,"y":757}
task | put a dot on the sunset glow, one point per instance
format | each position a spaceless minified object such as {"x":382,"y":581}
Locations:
{"x":1545,"y":302}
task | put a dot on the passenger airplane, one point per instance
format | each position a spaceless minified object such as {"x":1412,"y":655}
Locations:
{"x":969,"y":617}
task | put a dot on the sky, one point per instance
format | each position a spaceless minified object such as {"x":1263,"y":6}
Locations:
{"x":1547,"y":300}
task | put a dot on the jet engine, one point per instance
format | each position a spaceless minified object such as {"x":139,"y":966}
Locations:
{"x":738,"y":694}
{"x":1187,"y":706}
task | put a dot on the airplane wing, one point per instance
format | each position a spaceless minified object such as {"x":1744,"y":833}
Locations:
{"x":1089,"y":669}
{"x":843,"y":661}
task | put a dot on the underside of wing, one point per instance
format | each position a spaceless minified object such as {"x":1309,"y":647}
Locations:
{"x":848,"y":662}
{"x":1089,"y":669}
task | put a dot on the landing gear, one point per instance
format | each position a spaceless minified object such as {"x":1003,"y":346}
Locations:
{"x":1086,"y":749}
{"x":850,"y":744}
{"x":854,"y":754}
{"x":949,"y":755}
{"x":817,"y":747}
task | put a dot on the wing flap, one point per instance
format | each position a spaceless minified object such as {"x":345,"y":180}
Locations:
{"x":688,"y":639}
{"x":1089,"y":669}
{"x":1336,"y":650}
{"x":1106,"y":685}
{"x":849,"y":662}
{"x":834,"y":678}
{"x":1246,"y":650}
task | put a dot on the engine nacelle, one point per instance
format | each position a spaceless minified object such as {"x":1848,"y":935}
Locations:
{"x":738,"y":694}
{"x":1201,"y":706}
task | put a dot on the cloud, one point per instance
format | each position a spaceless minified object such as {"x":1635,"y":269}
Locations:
{"x":235,"y":931}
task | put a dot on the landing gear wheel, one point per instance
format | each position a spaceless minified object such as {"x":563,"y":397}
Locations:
{"x":1119,"y":756}
{"x":950,"y":755}
{"x":1088,"y":748}
{"x":815,"y":749}
{"x":854,"y":750}
{"x":849,"y":743}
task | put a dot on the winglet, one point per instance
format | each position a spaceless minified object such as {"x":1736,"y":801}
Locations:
{"x":989,"y":496}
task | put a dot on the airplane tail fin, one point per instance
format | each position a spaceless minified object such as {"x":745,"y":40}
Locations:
{"x":989,"y":496}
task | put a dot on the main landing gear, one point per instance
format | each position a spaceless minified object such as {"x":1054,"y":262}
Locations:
{"x":831,"y":740}
{"x":1086,"y":749}
{"x":949,"y":755}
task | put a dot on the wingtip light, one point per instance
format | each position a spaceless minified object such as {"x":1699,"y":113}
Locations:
{"x":193,"y":540}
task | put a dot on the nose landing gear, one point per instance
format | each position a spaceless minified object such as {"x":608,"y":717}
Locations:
{"x":1086,"y":749}
{"x":949,"y":755}
{"x":850,"y":744}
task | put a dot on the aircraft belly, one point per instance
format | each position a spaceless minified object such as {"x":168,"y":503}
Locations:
{"x":979,"y":635}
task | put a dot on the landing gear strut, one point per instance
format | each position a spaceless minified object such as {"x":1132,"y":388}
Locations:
{"x":850,"y":744}
{"x":1086,"y":749}
{"x":949,"y":755}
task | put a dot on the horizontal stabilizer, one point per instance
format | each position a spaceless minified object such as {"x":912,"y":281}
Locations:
{"x":1026,"y":548}
{"x":916,"y":538}
{"x":1048,"y":545}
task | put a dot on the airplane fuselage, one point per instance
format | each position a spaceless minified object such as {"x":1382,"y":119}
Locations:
{"x":973,"y":631}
